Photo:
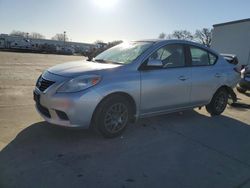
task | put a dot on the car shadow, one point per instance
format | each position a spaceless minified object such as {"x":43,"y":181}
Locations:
{"x":149,"y":153}
{"x":247,"y":94}
{"x":240,"y":105}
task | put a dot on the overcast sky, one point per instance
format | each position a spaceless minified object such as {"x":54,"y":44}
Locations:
{"x":107,"y":20}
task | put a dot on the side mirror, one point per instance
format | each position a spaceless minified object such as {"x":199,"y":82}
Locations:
{"x":155,"y":63}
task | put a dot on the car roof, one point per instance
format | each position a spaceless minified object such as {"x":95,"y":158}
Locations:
{"x":163,"y":41}
{"x":169,"y":40}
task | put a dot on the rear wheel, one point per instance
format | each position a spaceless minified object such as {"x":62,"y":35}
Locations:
{"x":218,"y":102}
{"x":112,"y":116}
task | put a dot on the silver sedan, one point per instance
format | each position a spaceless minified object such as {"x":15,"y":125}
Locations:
{"x":135,"y":80}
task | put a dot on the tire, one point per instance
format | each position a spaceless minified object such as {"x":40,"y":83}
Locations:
{"x":241,"y":90}
{"x":112,"y":116}
{"x":218,"y":102}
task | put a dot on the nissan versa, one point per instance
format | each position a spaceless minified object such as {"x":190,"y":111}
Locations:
{"x":135,"y":80}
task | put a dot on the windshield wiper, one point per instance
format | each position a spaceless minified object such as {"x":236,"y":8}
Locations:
{"x":105,"y":61}
{"x":100,"y":60}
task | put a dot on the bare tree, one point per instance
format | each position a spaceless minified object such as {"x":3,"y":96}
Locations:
{"x":204,"y":36}
{"x":19,"y":33}
{"x":98,"y":41}
{"x":35,"y":35}
{"x":169,"y":36}
{"x":182,"y":35}
{"x":60,"y":37}
{"x":162,"y":36}
{"x":114,"y":43}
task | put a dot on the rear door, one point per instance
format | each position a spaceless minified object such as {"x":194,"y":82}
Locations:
{"x":167,"y":87}
{"x":205,"y":75}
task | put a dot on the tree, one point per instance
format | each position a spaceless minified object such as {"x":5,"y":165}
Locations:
{"x":114,"y":43}
{"x":19,"y":33}
{"x":60,"y":37}
{"x":182,"y":35}
{"x":204,"y":36}
{"x":162,"y":36}
{"x":98,"y":41}
{"x":169,"y":37}
{"x":35,"y":35}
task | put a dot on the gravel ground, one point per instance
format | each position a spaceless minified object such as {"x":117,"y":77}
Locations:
{"x":187,"y":149}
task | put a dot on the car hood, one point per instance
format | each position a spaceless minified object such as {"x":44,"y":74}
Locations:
{"x":76,"y":68}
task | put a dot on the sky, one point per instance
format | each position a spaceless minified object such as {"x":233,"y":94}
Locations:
{"x":108,"y":20}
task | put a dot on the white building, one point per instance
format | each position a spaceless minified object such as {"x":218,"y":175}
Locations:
{"x":233,"y":38}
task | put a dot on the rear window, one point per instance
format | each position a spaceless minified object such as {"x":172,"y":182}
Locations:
{"x":202,"y":57}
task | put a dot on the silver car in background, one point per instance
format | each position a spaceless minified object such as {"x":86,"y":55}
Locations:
{"x":134,"y":80}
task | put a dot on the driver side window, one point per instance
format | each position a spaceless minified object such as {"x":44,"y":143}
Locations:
{"x":171,"y":56}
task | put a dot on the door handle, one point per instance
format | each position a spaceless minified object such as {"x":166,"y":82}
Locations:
{"x":218,"y":75}
{"x":182,"y":78}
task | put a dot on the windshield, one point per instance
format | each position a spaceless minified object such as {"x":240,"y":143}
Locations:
{"x":123,"y":53}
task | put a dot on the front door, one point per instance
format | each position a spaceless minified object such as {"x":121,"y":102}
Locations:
{"x":167,"y":87}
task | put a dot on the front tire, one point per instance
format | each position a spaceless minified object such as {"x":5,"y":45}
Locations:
{"x":218,"y":102}
{"x":112,"y":116}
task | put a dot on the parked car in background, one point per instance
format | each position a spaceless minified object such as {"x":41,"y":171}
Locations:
{"x":244,"y":84}
{"x":135,"y":80}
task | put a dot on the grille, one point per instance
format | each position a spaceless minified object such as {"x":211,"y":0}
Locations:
{"x":43,"y":84}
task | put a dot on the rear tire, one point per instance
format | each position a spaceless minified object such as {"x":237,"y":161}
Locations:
{"x":218,"y":102}
{"x":112,"y":116}
{"x":241,"y":90}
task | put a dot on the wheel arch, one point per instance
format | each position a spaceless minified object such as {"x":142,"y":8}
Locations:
{"x":123,"y":94}
{"x":230,"y":91}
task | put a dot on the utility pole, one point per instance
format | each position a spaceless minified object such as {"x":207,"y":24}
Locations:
{"x":64,"y":37}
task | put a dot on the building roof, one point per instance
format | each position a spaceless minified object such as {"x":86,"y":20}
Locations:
{"x":232,"y":22}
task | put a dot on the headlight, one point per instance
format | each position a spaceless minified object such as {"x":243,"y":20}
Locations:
{"x":79,"y":83}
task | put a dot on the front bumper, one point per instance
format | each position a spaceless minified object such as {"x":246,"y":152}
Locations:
{"x":66,"y":109}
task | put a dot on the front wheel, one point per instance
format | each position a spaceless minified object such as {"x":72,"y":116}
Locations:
{"x":112,"y":116}
{"x":218,"y":102}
